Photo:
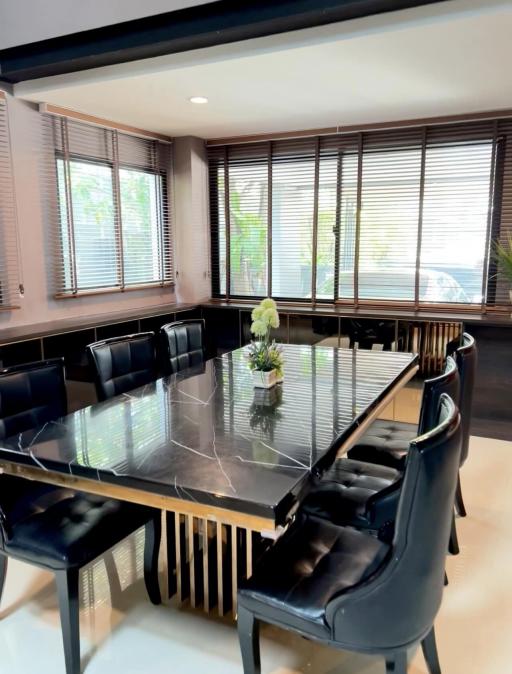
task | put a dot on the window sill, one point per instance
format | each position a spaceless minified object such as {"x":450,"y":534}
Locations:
{"x":389,"y":313}
{"x":63,"y":326}
{"x":106,"y":291}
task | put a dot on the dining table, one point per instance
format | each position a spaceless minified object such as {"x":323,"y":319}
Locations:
{"x":227,"y":463}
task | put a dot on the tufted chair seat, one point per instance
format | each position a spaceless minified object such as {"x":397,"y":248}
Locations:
{"x":346,"y":490}
{"x":313,"y":562}
{"x":386,"y":443}
{"x":182,"y":345}
{"x":60,"y":528}
{"x":121,"y":364}
{"x":21,"y":499}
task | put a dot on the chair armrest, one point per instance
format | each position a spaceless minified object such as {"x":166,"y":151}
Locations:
{"x":381,"y":507}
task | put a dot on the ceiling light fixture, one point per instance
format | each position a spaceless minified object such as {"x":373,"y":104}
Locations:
{"x":200,"y":100}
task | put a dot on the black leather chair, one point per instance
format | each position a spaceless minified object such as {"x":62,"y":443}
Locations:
{"x":120,"y":364}
{"x":365,"y":495}
{"x":466,"y":355}
{"x":386,"y":442}
{"x":347,"y":589}
{"x":54,"y":528}
{"x":182,"y":345}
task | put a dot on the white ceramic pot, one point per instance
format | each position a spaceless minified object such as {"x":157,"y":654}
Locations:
{"x":265,"y":379}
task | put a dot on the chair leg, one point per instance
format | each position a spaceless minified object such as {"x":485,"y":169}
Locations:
{"x":3,"y":573}
{"x":249,"y":638}
{"x":453,"y":546}
{"x":153,"y":534}
{"x":459,"y":501}
{"x":445,"y":579}
{"x":397,"y":664}
{"x":429,"y":648}
{"x":113,"y":577}
{"x":67,"y":590}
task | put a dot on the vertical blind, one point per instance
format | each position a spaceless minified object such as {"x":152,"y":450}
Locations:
{"x":405,"y":216}
{"x":108,"y":206}
{"x":9,"y":257}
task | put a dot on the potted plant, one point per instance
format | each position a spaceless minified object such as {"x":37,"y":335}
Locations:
{"x":503,"y":256}
{"x":265,"y":356}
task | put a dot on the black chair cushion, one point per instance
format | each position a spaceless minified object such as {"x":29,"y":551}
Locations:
{"x":342,"y":494}
{"x":122,"y":366}
{"x":20,"y":499}
{"x":59,"y":528}
{"x":385,"y":443}
{"x":30,"y":395}
{"x":184,"y":345}
{"x":312,"y":563}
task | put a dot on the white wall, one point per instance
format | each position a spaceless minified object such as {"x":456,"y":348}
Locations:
{"x":23,"y":21}
{"x":37,"y":256}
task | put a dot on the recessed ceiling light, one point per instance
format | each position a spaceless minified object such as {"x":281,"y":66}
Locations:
{"x":200,"y":100}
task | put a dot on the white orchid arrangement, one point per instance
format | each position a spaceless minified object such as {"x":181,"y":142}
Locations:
{"x":264,"y":354}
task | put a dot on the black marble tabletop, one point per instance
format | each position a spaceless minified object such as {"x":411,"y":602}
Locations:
{"x":209,"y":436}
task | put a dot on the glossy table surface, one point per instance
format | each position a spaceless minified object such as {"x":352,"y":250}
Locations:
{"x":209,"y":436}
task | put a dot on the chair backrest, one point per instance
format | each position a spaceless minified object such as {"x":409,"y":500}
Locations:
{"x":397,"y":606}
{"x":448,"y":382}
{"x":31,"y":395}
{"x":182,"y":345}
{"x":121,"y":364}
{"x":466,"y":357}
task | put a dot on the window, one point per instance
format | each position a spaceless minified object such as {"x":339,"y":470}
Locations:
{"x":89,"y":253}
{"x":112,"y":226}
{"x":10,"y":286}
{"x":405,"y":216}
{"x":293,"y":204}
{"x":455,"y":220}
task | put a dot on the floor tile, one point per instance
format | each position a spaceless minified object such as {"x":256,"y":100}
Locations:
{"x":126,"y":634}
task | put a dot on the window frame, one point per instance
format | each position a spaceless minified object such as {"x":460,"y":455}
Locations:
{"x":162,"y":214}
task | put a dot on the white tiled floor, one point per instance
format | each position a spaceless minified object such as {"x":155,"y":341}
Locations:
{"x":132,"y":636}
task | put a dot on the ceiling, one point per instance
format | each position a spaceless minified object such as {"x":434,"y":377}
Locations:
{"x":52,"y":18}
{"x":448,"y":58}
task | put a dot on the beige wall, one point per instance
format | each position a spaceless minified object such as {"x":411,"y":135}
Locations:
{"x":191,"y":218}
{"x":38,"y":304}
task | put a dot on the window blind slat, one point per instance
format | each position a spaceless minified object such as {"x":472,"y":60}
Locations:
{"x":293,"y":186}
{"x":389,"y":222}
{"x":455,"y":212}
